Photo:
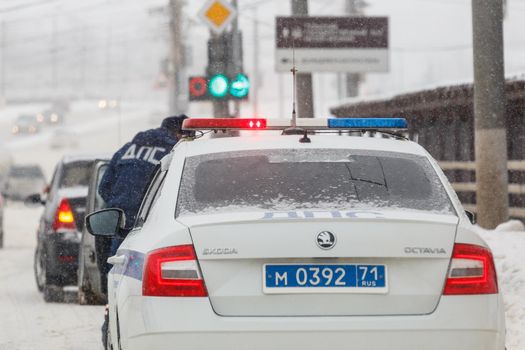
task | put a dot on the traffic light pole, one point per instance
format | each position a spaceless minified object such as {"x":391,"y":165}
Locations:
{"x":236,"y":54}
{"x":305,"y":98}
{"x":3,"y":71}
{"x":492,"y":198}
{"x":220,"y":106}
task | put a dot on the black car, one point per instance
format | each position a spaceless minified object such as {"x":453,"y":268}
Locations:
{"x":61,"y":224}
{"x":92,"y":284}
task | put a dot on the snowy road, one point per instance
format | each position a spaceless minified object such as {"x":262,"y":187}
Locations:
{"x":27,"y":322}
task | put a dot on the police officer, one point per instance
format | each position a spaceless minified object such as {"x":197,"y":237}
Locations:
{"x":126,"y":179}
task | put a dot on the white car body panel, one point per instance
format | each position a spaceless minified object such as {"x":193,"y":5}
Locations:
{"x":425,"y":320}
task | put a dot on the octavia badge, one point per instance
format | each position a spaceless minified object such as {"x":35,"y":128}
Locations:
{"x":326,"y":240}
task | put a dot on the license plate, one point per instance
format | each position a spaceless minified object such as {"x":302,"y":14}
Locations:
{"x":324,"y":278}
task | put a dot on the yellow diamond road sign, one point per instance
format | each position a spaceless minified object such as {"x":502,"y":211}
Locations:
{"x":217,"y":14}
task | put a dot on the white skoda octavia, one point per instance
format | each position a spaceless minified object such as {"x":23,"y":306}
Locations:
{"x":312,"y":241}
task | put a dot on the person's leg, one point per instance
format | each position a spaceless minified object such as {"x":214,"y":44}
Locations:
{"x":104,"y":328}
{"x":103,"y":247}
{"x":113,"y":247}
{"x":115,"y":243}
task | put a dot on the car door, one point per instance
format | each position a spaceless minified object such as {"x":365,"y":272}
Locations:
{"x":90,"y":255}
{"x":117,"y":284}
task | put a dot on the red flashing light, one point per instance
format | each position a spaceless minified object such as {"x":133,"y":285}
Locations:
{"x":224,"y":123}
{"x":64,"y":218}
{"x":471,"y":271}
{"x":173,"y":272}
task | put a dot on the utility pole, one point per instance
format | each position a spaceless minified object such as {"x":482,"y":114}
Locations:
{"x":3,"y":71}
{"x":54,"y":52}
{"x":489,"y":113}
{"x":354,"y":8}
{"x":255,"y":79}
{"x":176,"y":71}
{"x":305,"y":98}
{"x":107,"y":78}
{"x":83,"y":54}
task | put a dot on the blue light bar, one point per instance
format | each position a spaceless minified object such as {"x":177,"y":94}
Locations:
{"x":368,"y":123}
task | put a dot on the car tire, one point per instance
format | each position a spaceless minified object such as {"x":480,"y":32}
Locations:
{"x":39,"y":268}
{"x":53,"y":294}
{"x":87,"y":297}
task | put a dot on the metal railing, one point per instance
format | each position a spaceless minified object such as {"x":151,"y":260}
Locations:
{"x":514,"y":188}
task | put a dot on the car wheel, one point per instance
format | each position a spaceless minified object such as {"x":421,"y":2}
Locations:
{"x":53,"y":294}
{"x":86,"y":296}
{"x":40,"y":269}
{"x":85,"y":292}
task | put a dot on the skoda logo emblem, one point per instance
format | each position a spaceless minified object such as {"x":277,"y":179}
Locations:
{"x":326,"y":240}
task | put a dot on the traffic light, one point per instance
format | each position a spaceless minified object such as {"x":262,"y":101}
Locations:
{"x":240,"y":86}
{"x":219,"y":87}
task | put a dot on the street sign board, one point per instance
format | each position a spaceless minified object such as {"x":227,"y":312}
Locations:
{"x":332,"y":44}
{"x":218,"y":14}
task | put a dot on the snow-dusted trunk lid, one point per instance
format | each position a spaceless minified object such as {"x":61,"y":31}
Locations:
{"x":233,"y":251}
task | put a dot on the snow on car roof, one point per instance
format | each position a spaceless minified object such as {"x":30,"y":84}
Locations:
{"x":72,"y":192}
{"x":81,"y":157}
{"x":261,"y":140}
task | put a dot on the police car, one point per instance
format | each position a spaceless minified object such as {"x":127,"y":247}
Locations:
{"x":301,"y":239}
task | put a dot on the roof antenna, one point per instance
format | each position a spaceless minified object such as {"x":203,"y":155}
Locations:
{"x":294,"y":129}
{"x":294,"y":75}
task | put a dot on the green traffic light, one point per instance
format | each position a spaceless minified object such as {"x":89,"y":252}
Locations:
{"x":240,"y":87}
{"x":218,"y":86}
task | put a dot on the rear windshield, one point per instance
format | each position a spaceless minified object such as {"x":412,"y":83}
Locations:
{"x":329,"y":179}
{"x":26,"y":171}
{"x":26,"y":118}
{"x":99,"y":201}
{"x":76,"y":174}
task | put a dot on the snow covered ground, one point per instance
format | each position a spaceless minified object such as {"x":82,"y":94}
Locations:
{"x":26,"y":321}
{"x":508,"y":246}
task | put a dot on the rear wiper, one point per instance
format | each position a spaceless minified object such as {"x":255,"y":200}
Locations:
{"x":369,"y":181}
{"x":362,"y":180}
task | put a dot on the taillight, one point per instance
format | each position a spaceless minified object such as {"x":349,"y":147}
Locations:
{"x":64,"y":218}
{"x":471,"y":271}
{"x":173,"y":272}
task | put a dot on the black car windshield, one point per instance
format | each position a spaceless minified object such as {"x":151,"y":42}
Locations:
{"x":76,"y":174}
{"x":327,"y":179}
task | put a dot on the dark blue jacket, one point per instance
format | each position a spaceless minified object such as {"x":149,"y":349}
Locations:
{"x":124,"y":182}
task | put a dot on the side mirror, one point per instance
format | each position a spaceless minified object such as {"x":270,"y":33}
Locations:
{"x":471,"y":216}
{"x":106,"y":222}
{"x":34,"y":199}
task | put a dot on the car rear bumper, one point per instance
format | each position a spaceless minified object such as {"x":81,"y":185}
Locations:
{"x":62,"y":257}
{"x":459,"y":322}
